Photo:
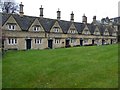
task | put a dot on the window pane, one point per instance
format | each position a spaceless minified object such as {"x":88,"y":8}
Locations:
{"x":13,"y":27}
{"x":15,"y":41}
{"x":9,"y":41}
{"x":12,"y":41}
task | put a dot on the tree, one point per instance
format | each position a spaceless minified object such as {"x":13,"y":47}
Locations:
{"x":10,"y":7}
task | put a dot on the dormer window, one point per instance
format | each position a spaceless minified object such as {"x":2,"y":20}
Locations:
{"x":36,"y":28}
{"x":106,"y":32}
{"x":96,"y":32}
{"x":11,"y":26}
{"x":72,"y":31}
{"x":86,"y":32}
{"x":56,"y":29}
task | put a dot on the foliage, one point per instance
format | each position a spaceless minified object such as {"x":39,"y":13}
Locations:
{"x":10,"y":7}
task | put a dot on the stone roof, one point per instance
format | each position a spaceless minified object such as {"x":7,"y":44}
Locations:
{"x":79,"y":27}
{"x":5,"y":17}
{"x":46,"y":23}
{"x":26,"y":21}
{"x":91,"y":27}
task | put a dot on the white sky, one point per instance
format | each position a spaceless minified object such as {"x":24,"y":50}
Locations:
{"x":100,"y":8}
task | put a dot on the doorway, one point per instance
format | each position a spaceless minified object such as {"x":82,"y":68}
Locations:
{"x":67,"y":43}
{"x":81,"y":42}
{"x":93,"y":41}
{"x":50,"y":44}
{"x":111,"y":41}
{"x":103,"y":41}
{"x":28,"y":44}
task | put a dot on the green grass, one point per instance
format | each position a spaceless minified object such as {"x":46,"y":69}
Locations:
{"x":79,"y":67}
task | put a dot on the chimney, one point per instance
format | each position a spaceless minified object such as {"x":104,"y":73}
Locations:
{"x":72,"y":17}
{"x":94,"y":18}
{"x":21,"y":9}
{"x":58,"y":14}
{"x":84,"y":19}
{"x":41,"y":12}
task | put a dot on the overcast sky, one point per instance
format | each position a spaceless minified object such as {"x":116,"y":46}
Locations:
{"x":100,"y":8}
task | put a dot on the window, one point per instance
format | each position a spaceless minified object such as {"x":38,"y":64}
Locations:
{"x":97,"y":32}
{"x":72,"y":31}
{"x":56,"y":29}
{"x":38,"y":41}
{"x":36,"y":28}
{"x":106,"y":32}
{"x":11,"y":27}
{"x":73,"y":40}
{"x":12,"y":41}
{"x":86,"y":41}
{"x":86,"y":32}
{"x":57,"y":41}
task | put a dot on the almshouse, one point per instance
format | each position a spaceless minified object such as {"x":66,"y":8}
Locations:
{"x":27,"y":32}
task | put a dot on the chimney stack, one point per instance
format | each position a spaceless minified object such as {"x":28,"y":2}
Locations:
{"x":41,"y":12}
{"x":21,"y":9}
{"x":58,"y":14}
{"x":94,"y":18}
{"x":72,"y":17}
{"x":84,"y":19}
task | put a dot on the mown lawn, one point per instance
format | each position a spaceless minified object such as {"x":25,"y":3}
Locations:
{"x":78,"y":67}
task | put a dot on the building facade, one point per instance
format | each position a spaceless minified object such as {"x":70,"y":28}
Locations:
{"x":23,"y":32}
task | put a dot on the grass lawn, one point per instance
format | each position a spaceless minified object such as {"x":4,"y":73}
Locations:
{"x":78,"y":67}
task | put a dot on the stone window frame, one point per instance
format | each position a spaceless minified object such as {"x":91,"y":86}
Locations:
{"x":86,"y":41}
{"x":36,"y":28}
{"x":56,"y":29}
{"x":12,"y":41}
{"x":11,"y":26}
{"x":38,"y":41}
{"x":86,"y":32}
{"x":57,"y":41}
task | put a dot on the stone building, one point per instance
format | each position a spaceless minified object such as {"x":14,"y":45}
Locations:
{"x":23,"y":32}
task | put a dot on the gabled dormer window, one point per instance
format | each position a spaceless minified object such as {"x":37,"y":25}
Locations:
{"x":86,"y":32}
{"x":106,"y":32}
{"x":96,"y":32}
{"x":11,"y":26}
{"x":36,"y":28}
{"x":56,"y":29}
{"x":72,"y":31}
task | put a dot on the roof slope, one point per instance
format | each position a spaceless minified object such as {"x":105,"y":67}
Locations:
{"x":5,"y":17}
{"x":46,"y":23}
{"x":65,"y":25}
{"x":79,"y":26}
{"x":91,"y":28}
{"x":24,"y":21}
